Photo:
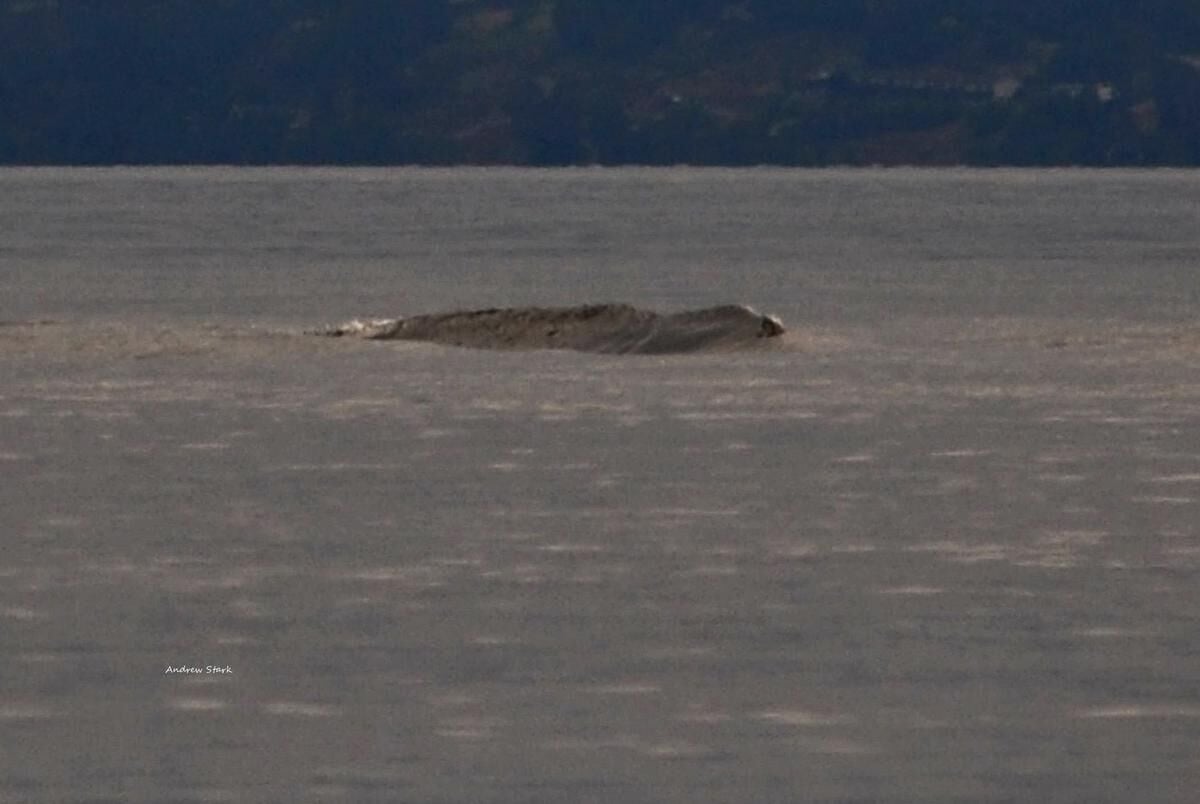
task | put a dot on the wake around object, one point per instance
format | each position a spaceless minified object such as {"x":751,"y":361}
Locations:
{"x":601,"y":328}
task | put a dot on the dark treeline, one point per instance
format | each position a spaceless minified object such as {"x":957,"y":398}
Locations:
{"x":548,"y":82}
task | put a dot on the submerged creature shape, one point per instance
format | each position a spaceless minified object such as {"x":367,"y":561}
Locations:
{"x":602,"y":328}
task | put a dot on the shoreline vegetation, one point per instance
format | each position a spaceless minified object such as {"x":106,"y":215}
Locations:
{"x":592,"y":82}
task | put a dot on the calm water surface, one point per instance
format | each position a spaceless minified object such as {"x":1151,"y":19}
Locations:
{"x":942,"y":547}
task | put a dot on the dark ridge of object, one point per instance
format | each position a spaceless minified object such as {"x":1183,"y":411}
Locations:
{"x":600,"y":328}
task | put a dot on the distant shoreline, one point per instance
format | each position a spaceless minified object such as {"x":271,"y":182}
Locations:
{"x":587,"y":82}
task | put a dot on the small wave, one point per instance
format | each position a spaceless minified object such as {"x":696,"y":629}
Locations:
{"x":601,"y":328}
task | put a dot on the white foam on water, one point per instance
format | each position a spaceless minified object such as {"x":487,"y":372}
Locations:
{"x":15,"y":711}
{"x":197,"y":704}
{"x":468,"y":727}
{"x":1141,"y":712}
{"x":22,"y":614}
{"x":1191,"y":477}
{"x":864,"y":457}
{"x":1163,"y":500}
{"x":801,"y":718}
{"x":1110,"y":632}
{"x":300,"y":709}
{"x":627,"y":688}
{"x":678,"y":749}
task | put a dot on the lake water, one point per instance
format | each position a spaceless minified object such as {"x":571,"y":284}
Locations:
{"x":943,"y":546}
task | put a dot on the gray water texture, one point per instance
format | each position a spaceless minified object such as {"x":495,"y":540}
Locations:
{"x":943,"y":547}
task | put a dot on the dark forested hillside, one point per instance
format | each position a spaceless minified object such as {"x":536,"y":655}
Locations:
{"x":547,"y":82}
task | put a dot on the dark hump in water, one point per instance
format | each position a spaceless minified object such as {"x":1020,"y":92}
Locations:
{"x":602,"y":328}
